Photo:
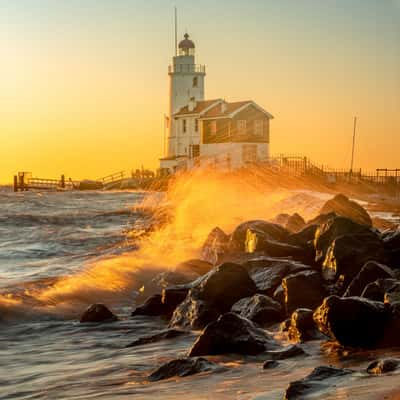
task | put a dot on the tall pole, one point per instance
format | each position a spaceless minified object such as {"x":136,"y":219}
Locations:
{"x":354,"y":142}
{"x":176,"y":31}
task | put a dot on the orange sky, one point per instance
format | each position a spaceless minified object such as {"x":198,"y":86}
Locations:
{"x":84,"y":88}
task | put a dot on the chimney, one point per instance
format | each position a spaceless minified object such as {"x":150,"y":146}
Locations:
{"x":192,"y":104}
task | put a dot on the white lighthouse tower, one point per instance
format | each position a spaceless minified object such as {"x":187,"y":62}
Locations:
{"x":186,"y":89}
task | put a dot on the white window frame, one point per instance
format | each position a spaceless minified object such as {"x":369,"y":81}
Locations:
{"x":241,"y":126}
{"x":258,"y":127}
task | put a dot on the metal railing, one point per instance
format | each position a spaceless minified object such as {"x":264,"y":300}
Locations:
{"x":189,"y":68}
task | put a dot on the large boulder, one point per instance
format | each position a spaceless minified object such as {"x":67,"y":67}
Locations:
{"x":268,"y":229}
{"x":215,"y":246}
{"x":392,"y":245}
{"x":97,"y":313}
{"x":212,"y":295}
{"x":319,"y":379}
{"x":268,"y":273}
{"x":349,"y":253}
{"x":330,"y":230}
{"x":304,"y":238}
{"x":370,"y":272}
{"x":182,"y":367}
{"x":302,"y":326}
{"x":303,"y":289}
{"x":259,"y":242}
{"x":232,"y":334}
{"x":376,"y":290}
{"x":153,"y":306}
{"x":379,"y":367}
{"x":341,"y":205}
{"x":259,"y":308}
{"x":171,"y":297}
{"x":352,"y":321}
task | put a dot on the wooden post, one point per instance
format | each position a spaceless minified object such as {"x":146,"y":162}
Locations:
{"x":63,"y":181}
{"x":15,"y":183}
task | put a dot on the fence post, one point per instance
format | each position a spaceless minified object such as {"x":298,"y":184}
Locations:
{"x":15,"y":183}
{"x":63,"y":181}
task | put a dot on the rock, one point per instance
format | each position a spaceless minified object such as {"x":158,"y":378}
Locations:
{"x":232,"y":334}
{"x":171,"y":297}
{"x":182,"y":367}
{"x":303,"y":238}
{"x":153,"y":306}
{"x":259,"y":308}
{"x":193,"y":313}
{"x":392,"y":244}
{"x":97,"y":313}
{"x":303,"y":289}
{"x":302,"y":326}
{"x":215,"y":246}
{"x":270,"y":364}
{"x":392,"y":294}
{"x":376,"y":290}
{"x":212,"y":295}
{"x":349,"y":253}
{"x":268,"y":273}
{"x":379,"y":367}
{"x":288,"y":352}
{"x":164,"y":334}
{"x":321,"y":219}
{"x":281,"y":219}
{"x":341,"y":205}
{"x":352,"y":321}
{"x":259,"y":242}
{"x":279,"y":295}
{"x":172,"y":278}
{"x":318,"y":379}
{"x":332,"y":229}
{"x":285,"y":325}
{"x":370,"y":272}
{"x":268,"y":229}
{"x":295,"y":223}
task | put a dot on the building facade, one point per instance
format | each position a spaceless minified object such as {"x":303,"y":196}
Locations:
{"x":201,"y":132}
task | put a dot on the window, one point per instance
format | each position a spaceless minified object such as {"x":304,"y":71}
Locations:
{"x":184,"y":125}
{"x":241,"y":127}
{"x":213,"y":127}
{"x":195,"y":81}
{"x":196,"y":125}
{"x":258,"y":127}
{"x":249,"y":152}
{"x":194,"y":150}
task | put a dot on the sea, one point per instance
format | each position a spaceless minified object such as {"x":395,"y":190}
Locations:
{"x":62,"y":251}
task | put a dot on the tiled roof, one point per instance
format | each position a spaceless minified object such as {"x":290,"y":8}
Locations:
{"x":200,"y":106}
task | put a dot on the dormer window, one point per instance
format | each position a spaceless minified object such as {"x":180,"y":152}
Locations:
{"x":195,"y":81}
{"x":258,"y":127}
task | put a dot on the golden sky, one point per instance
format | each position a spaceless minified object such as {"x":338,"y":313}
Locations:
{"x":83,"y":89}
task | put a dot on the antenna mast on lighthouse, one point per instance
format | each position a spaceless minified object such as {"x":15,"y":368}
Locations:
{"x":176,"y":30}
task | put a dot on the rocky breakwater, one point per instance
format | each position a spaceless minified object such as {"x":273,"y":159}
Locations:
{"x":332,"y":279}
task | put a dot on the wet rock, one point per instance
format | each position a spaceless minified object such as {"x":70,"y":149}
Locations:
{"x":321,"y":219}
{"x":349,"y":253}
{"x":370,"y":272}
{"x":303,"y":238}
{"x":182,"y":367}
{"x":302,"y":326}
{"x":268,"y":273}
{"x":341,"y":205}
{"x":384,"y":366}
{"x":383,"y":224}
{"x":153,"y":306}
{"x":171,"y":297}
{"x":376,"y":290}
{"x":157,"y":337}
{"x":259,"y":242}
{"x":259,"y":308}
{"x":352,"y":321}
{"x":172,"y":278}
{"x":279,"y":295}
{"x":293,"y":350}
{"x":281,"y":219}
{"x":97,"y":313}
{"x":392,"y":294}
{"x":303,"y":289}
{"x":212,"y":295}
{"x":319,"y":379}
{"x":270,"y":364}
{"x":215,"y":246}
{"x":332,"y":229}
{"x":392,"y":245}
{"x":232,"y":334}
{"x":295,"y":223}
{"x":267,"y":229}
{"x":285,"y":325}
